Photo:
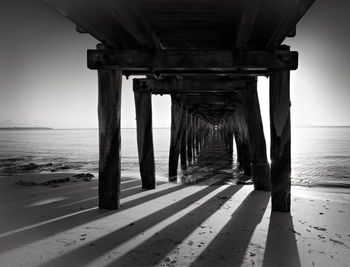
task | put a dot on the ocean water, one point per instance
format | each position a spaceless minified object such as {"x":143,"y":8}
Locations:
{"x":320,"y":155}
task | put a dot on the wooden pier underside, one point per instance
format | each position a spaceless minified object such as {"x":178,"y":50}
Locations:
{"x":207,"y":55}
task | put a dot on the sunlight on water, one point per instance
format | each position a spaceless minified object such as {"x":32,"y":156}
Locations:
{"x":320,"y":155}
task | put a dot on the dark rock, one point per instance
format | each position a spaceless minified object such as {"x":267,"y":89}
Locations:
{"x":84,"y":176}
{"x":26,"y":183}
{"x":30,"y":167}
{"x":56,"y":181}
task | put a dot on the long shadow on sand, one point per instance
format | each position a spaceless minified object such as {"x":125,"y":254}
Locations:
{"x":281,"y":248}
{"x":74,"y":200}
{"x":92,"y":250}
{"x":230,"y":245}
{"x":71,"y":220}
{"x":157,"y":247}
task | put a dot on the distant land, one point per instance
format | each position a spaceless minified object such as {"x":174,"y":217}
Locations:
{"x":25,"y":128}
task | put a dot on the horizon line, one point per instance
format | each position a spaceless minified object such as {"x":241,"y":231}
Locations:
{"x":96,"y":128}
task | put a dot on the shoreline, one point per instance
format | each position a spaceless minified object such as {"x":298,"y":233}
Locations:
{"x":327,"y":184}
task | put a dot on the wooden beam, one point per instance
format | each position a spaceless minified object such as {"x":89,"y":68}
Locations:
{"x":115,"y":23}
{"x":209,"y":99}
{"x":143,"y":108}
{"x":95,"y":19}
{"x":80,"y":29}
{"x":192,"y":59}
{"x":219,"y":73}
{"x":129,"y":17}
{"x":170,"y":86}
{"x":109,"y":99}
{"x":247,"y":22}
{"x":288,"y":23}
{"x":280,"y":140}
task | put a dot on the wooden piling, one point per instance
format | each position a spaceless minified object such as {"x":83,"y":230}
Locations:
{"x":176,"y":116}
{"x":242,"y":140}
{"x":280,"y":140}
{"x":183,"y":152}
{"x":193,"y":138}
{"x":259,"y":163}
{"x":109,"y":97}
{"x":230,"y":134}
{"x":143,"y":108}
{"x":189,"y":138}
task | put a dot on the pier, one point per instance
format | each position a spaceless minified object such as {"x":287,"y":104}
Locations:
{"x":208,"y":56}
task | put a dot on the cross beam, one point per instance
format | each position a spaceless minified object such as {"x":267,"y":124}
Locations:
{"x":185,"y":60}
{"x":170,"y":86}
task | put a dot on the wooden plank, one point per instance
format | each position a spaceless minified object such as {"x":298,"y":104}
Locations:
{"x":219,"y":73}
{"x":109,"y":99}
{"x":129,"y":17}
{"x":93,"y":17}
{"x":170,"y":86}
{"x":280,"y":140}
{"x":143,"y":108}
{"x":192,"y":59}
{"x":115,"y":23}
{"x":247,"y":22}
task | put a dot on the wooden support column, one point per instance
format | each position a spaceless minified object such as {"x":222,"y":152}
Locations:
{"x":259,"y":163}
{"x":176,"y":116}
{"x":197,"y":135}
{"x":183,"y":152}
{"x":194,"y":133}
{"x":189,"y":138}
{"x":242,"y":141}
{"x":143,"y":108}
{"x":109,"y":96}
{"x":280,"y":140}
{"x":230,"y":134}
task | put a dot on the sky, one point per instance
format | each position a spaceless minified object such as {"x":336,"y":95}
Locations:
{"x":44,"y":80}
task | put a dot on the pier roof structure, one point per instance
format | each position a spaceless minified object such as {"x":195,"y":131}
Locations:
{"x":207,"y":55}
{"x":186,"y":24}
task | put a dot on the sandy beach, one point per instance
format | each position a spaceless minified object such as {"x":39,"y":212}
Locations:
{"x":211,"y":223}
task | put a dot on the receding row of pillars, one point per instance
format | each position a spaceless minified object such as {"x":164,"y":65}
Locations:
{"x":189,"y":133}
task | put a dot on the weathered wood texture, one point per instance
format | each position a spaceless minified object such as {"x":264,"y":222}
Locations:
{"x":192,"y":59}
{"x":109,"y":97}
{"x":259,"y":163}
{"x":183,"y":152}
{"x":179,"y":24}
{"x":247,"y":22}
{"x":280,"y":140}
{"x":189,"y":132}
{"x":175,"y":139}
{"x":169,"y":86}
{"x":143,"y":108}
{"x":230,"y":135}
{"x":241,"y":134}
